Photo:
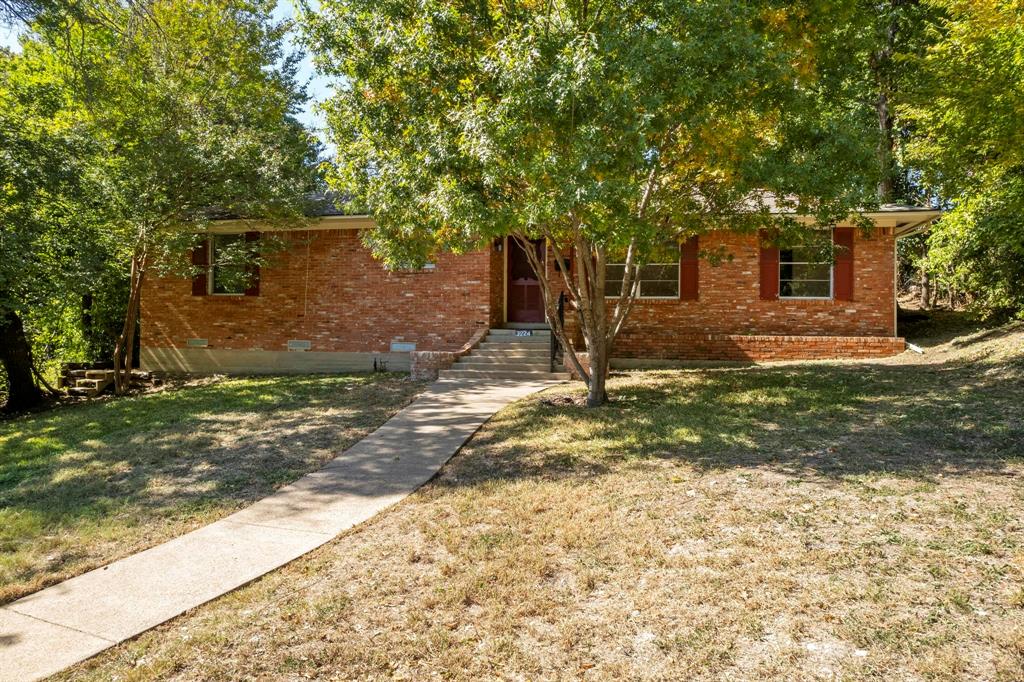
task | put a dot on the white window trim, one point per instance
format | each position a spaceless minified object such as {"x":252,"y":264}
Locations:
{"x":212,"y":269}
{"x":831,"y":283}
{"x":679,"y":282}
{"x":831,"y":278}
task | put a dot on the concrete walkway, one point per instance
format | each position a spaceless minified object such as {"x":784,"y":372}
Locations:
{"x":54,"y":628}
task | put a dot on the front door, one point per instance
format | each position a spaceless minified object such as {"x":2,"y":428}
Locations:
{"x":525,"y":302}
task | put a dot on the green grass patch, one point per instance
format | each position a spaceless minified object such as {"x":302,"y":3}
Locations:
{"x":81,"y":485}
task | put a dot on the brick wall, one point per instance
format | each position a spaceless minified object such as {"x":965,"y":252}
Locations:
{"x":729,"y":321}
{"x":326,"y":288}
{"x":729,"y":304}
{"x":749,"y":347}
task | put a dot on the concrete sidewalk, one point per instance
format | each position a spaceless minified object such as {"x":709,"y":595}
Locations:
{"x":54,"y":628}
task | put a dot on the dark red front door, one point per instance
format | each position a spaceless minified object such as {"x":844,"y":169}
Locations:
{"x":525,"y":303}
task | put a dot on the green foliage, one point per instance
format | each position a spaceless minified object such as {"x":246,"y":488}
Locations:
{"x":196,"y":113}
{"x":39,"y":175}
{"x":458,"y":122}
{"x":48,"y":244}
{"x":123,"y":135}
{"x":968,"y":114}
{"x":979,"y":248}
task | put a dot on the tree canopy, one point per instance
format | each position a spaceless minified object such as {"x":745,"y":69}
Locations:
{"x":189,"y":116}
{"x":603,"y":127}
{"x":968,"y":116}
{"x":44,"y":251}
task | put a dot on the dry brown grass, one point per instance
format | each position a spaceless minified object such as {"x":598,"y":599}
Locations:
{"x":860,"y":521}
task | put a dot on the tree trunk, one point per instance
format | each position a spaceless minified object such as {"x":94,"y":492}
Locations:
{"x":596,"y":333}
{"x":926,"y":290}
{"x":881,"y":65}
{"x":926,"y":279}
{"x":597,"y":395}
{"x":17,"y":360}
{"x":588,"y":301}
{"x":587,"y":291}
{"x":125,"y":347}
{"x":886,"y":145}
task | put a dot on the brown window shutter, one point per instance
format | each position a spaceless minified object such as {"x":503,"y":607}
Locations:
{"x":254,"y":268}
{"x":688,"y":269}
{"x":769,"y":269}
{"x":842,"y":284}
{"x":201,"y":258}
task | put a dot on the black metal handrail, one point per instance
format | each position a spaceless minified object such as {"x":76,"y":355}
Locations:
{"x":555,"y":345}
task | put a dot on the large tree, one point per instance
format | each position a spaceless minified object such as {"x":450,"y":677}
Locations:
{"x":604,"y":127}
{"x":42,"y":250}
{"x":195,"y":112}
{"x":968,"y":112}
{"x":894,"y":34}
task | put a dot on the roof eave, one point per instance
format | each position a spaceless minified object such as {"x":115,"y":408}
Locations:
{"x":329,"y":222}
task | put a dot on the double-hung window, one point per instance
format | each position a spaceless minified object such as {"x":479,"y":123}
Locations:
{"x":805,"y":271}
{"x":659,"y":278}
{"x":228,"y":274}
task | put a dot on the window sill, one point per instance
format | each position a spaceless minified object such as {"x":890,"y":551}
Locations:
{"x":657,"y":299}
{"x":809,"y":301}
{"x":806,"y":298}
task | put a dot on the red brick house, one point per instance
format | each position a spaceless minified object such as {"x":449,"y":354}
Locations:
{"x":326,"y":305}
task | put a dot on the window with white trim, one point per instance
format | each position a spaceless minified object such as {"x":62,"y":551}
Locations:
{"x":805,"y":271}
{"x":659,"y":278}
{"x":228,"y":274}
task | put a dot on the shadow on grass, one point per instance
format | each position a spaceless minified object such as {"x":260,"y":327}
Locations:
{"x":178,"y":453}
{"x":823,"y":420}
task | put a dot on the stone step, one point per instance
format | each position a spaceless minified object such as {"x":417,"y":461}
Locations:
{"x":91,"y":383}
{"x":83,"y":391}
{"x":539,"y":355}
{"x":516,"y":340}
{"x":456,"y":373}
{"x":503,"y":365}
{"x":533,"y":359}
{"x":99,"y":374}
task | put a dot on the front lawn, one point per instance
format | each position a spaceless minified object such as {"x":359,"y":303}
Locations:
{"x":83,"y":485}
{"x":855,"y":521}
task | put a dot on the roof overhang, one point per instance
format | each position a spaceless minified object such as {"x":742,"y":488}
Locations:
{"x":909,"y":223}
{"x":332,"y":222}
{"x":905,"y":221}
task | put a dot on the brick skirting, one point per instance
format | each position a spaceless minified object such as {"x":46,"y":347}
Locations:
{"x":773,"y":347}
{"x":425,"y":365}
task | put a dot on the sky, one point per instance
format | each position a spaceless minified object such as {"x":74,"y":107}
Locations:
{"x":317,"y":85}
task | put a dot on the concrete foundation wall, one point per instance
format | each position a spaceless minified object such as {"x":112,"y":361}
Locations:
{"x":224,"y":361}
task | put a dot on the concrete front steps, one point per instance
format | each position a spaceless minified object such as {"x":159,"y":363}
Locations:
{"x":87,"y":383}
{"x":505,"y":355}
